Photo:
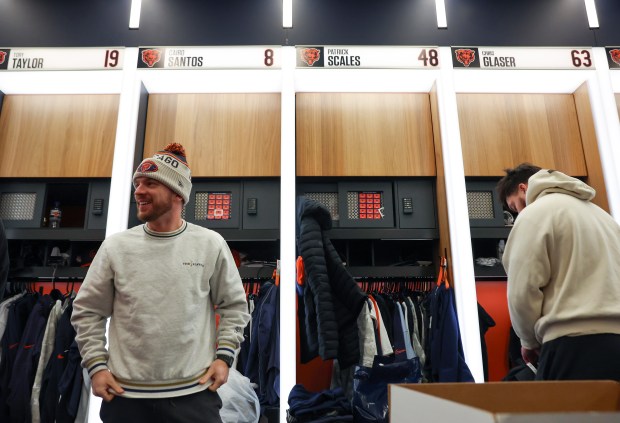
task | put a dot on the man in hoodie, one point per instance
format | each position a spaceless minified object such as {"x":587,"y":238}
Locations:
{"x":563,"y":265}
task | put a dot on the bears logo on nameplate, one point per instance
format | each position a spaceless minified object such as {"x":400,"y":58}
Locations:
{"x":4,"y":59}
{"x":465,"y":57}
{"x":613,"y":57}
{"x":310,"y":57}
{"x":151,"y":58}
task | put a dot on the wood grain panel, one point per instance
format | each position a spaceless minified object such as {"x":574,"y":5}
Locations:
{"x":225,"y":135}
{"x":499,"y":131}
{"x":364,"y":134}
{"x":58,"y":135}
{"x":444,"y":247}
{"x":590,"y":146}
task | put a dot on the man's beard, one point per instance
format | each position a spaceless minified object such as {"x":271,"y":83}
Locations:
{"x":155,"y":212}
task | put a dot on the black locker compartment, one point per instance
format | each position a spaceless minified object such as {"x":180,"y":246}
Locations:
{"x":40,"y":252}
{"x":72,"y":198}
{"x":415,"y":202}
{"x":398,"y":244}
{"x":342,"y":199}
{"x":366,"y":204}
{"x":483,"y":205}
{"x":354,"y":203}
{"x":98,"y":200}
{"x":21,"y":204}
{"x":27,"y":205}
{"x":231,"y":207}
{"x":490,"y":224}
{"x":215,"y":204}
{"x":398,"y":253}
{"x":261,"y":205}
{"x":325,"y":193}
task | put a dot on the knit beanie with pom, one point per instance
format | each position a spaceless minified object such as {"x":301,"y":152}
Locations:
{"x":168,"y":166}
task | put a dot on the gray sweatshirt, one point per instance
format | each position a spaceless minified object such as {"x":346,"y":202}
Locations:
{"x":162,"y":291}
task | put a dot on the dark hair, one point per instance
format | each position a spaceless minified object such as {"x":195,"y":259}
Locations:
{"x":509,"y":184}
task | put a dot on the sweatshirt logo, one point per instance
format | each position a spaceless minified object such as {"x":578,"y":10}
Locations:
{"x":193,"y":264}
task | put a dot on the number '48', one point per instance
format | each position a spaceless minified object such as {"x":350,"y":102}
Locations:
{"x":431,"y":58}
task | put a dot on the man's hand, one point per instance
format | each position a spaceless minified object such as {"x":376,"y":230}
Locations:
{"x":105,"y":386}
{"x":530,"y":356}
{"x":218,"y":371}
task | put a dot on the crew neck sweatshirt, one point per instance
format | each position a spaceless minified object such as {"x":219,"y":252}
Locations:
{"x":160,"y":291}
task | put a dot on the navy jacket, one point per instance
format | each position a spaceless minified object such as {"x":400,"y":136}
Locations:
{"x":263,"y":358}
{"x":27,"y":360}
{"x":447,"y":357}
{"x":19,"y":313}
{"x":49,"y":396}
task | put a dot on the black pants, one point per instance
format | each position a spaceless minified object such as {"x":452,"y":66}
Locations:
{"x":199,"y":407}
{"x":587,"y":357}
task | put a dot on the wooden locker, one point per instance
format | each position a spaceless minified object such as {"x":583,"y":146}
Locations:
{"x":364,"y":134}
{"x":224,"y":135}
{"x":499,"y":131}
{"x":58,"y":135}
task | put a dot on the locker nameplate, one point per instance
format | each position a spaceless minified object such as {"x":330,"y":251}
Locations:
{"x":53,"y":59}
{"x":230,"y":57}
{"x":522,"y":58}
{"x":367,"y":57}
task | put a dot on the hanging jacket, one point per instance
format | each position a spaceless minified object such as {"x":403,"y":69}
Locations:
{"x":446,"y":350}
{"x":70,"y":387}
{"x":16,"y":323}
{"x":27,"y":359}
{"x":331,"y":324}
{"x":65,"y":335}
{"x":263,"y":364}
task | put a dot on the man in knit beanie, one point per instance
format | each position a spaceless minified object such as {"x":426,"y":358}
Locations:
{"x":169,"y":167}
{"x":159,"y":283}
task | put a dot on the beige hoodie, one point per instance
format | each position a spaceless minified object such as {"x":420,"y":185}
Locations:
{"x":563,"y":263}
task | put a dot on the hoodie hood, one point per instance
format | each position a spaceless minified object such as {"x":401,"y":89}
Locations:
{"x":551,"y":181}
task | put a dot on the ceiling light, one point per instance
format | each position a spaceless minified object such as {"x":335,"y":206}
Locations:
{"x":134,"y":15}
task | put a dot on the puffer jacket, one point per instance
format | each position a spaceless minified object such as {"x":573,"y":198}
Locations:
{"x":333,"y":300}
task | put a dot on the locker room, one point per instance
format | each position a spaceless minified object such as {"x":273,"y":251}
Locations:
{"x":378,"y":122}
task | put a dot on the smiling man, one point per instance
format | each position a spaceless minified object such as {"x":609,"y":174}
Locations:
{"x":563,"y":267}
{"x":159,"y":284}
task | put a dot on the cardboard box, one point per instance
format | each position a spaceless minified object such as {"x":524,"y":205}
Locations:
{"x":506,"y":402}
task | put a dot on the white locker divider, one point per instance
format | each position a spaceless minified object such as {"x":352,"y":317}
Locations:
{"x":122,"y":166}
{"x":288,"y":315}
{"x":462,"y":265}
{"x":607,"y":124}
